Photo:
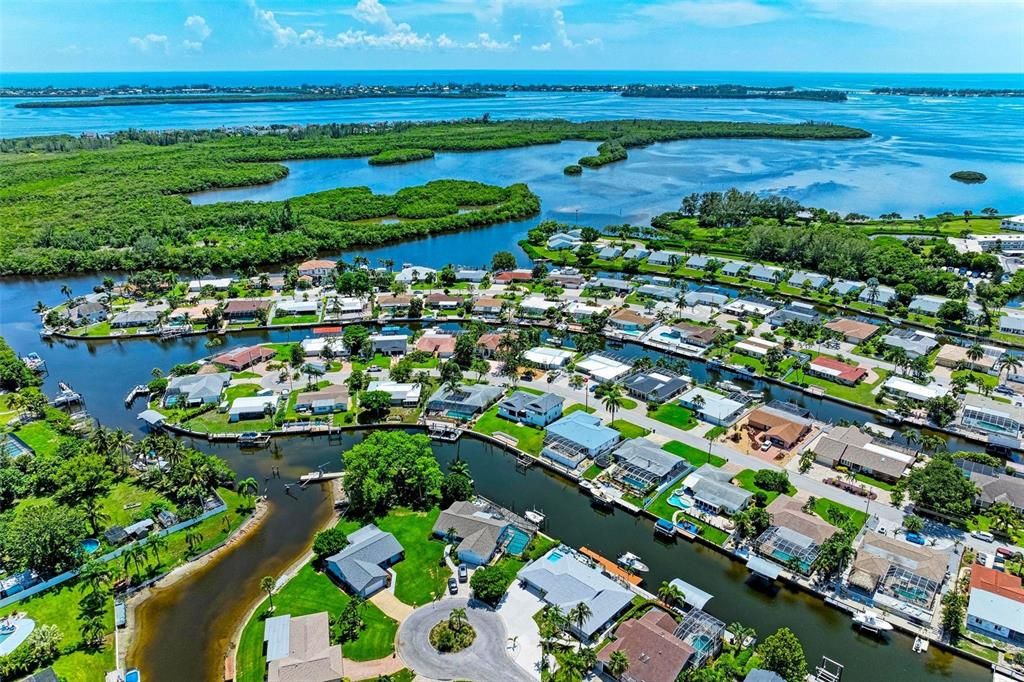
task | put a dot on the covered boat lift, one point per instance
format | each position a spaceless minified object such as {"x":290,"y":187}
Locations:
{"x":692,"y":595}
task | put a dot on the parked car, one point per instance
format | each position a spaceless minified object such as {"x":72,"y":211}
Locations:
{"x":981,"y":559}
{"x":453,"y":586}
{"x":463,"y":573}
{"x":766,"y":446}
{"x":983,"y":535}
{"x":916,"y":538}
{"x":1005,"y":552}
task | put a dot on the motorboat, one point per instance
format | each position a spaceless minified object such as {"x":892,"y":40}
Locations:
{"x":534,"y":516}
{"x":632,"y":562}
{"x":872,"y":621}
{"x":920,"y":645}
{"x":602,"y":499}
{"x":587,"y":486}
{"x":252,"y":439}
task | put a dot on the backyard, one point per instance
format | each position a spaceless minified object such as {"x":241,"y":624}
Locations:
{"x":530,"y":439}
{"x":822,"y":506}
{"x":692,"y":455}
{"x":675,"y":415}
{"x":660,"y":507}
{"x":421,"y":576}
{"x":745,"y":480}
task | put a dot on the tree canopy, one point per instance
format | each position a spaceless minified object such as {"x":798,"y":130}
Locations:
{"x":389,"y":469}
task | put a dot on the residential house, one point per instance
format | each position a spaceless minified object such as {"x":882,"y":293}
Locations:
{"x":764,"y":273}
{"x":582,"y":312}
{"x":195,"y":389}
{"x":576,"y":437}
{"x":479,"y":533}
{"x":362,"y":566}
{"x":562,"y":241}
{"x":659,"y":292}
{"x":216,"y":283}
{"x":811,"y":280}
{"x":746,"y":307}
{"x":794,"y":312}
{"x":488,"y":344}
{"x":407,"y":395}
{"x":465,"y":401}
{"x":536,"y":410}
{"x":389,"y":344}
{"x":609,"y":253}
{"x":511,"y":276}
{"x":442,"y":301}
{"x":317,"y":269}
{"x":636,"y":253}
{"x":642,"y":464}
{"x":669,"y":258}
{"x":603,"y":368}
{"x":952,"y":356}
{"x":995,"y":487}
{"x":244,"y":358}
{"x":835,"y":370}
{"x":395,"y":305}
{"x":324,"y":401}
{"x":437,"y":344}
{"x":536,"y":306}
{"x":893,"y":574}
{"x":990,"y":416}
{"x":654,"y":653}
{"x":87,"y":313}
{"x":846,"y":287}
{"x":712,"y":491}
{"x":1011,"y":323}
{"x":698,"y":262}
{"x":411,"y":274}
{"x":628,"y":320}
{"x":853,"y":331}
{"x":344,"y":308}
{"x":245,"y":308}
{"x":712,"y":407}
{"x":905,"y":388}
{"x":252,"y":407}
{"x":619,"y":286}
{"x":861,"y":452}
{"x":793,"y":536}
{"x":488,"y":307}
{"x":696,"y":335}
{"x":783,"y":428}
{"x":194,"y":313}
{"x":880,"y":295}
{"x":996,"y":605}
{"x":317,"y":346}
{"x":564,"y":579}
{"x":135,"y":318}
{"x":548,"y":358}
{"x":299,"y":648}
{"x":926,"y":305}
{"x":756,"y":347}
{"x":708,"y":297}
{"x":656,"y":385}
{"x":567,"y":280}
{"x":913,"y":342}
{"x":735,"y":268}
{"x":470,"y":275}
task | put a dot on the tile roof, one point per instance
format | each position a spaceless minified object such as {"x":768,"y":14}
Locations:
{"x":833,"y":367}
{"x":854,"y":329}
{"x":655,"y":654}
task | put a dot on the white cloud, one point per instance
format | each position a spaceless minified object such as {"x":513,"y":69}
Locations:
{"x":283,"y":35}
{"x":394,"y":35}
{"x":149,"y":41}
{"x":712,"y":13}
{"x":543,"y":47}
{"x":374,"y":13}
{"x":443,"y":41}
{"x":198,"y":26}
{"x":562,"y":32}
{"x":923,"y":15}
{"x":192,"y":45}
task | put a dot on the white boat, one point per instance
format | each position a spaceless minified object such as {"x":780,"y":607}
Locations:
{"x":587,"y":486}
{"x":872,"y":621}
{"x":534,"y":516}
{"x":632,"y":562}
{"x":920,"y":645}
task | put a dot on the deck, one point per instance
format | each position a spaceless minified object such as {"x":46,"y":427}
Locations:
{"x":612,"y":568}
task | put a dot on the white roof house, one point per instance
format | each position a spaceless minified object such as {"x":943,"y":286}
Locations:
{"x":414,"y":273}
{"x":603,"y":368}
{"x":1011,"y":323}
{"x":716,"y":408}
{"x":400,"y":393}
{"x":755,"y":346}
{"x":908,"y":389}
{"x":219,"y":283}
{"x":548,"y":358}
{"x":746,"y":306}
{"x":1013,"y":223}
{"x":252,"y":405}
{"x":291,"y":307}
{"x":316,"y":345}
{"x":536,"y":305}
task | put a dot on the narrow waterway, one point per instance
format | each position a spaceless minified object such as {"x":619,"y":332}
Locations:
{"x":185,"y":628}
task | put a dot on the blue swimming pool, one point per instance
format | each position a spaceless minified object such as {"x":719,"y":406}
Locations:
{"x":90,"y":545}
{"x":133,"y":676}
{"x":554,"y":556}
{"x":518,"y":540}
{"x":678,"y":502}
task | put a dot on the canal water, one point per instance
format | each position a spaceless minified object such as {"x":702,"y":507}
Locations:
{"x":185,"y":629}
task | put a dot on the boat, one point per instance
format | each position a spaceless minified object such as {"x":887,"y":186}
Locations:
{"x":34,"y":362}
{"x":602,"y":499}
{"x":871,"y":621}
{"x":664,"y":528}
{"x":534,"y":516}
{"x":730,"y":387}
{"x":920,"y":645}
{"x":252,"y":439}
{"x":587,"y":486}
{"x":632,"y":562}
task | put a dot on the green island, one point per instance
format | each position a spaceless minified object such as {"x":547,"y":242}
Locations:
{"x":395,"y":156}
{"x":245,"y":99}
{"x":969,"y":177}
{"x":115,"y":202}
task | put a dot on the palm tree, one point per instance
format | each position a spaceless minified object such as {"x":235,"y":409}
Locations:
{"x":39,"y":308}
{"x":1010,"y":363}
{"x":93,"y":630}
{"x":457,"y":619}
{"x":459,"y":467}
{"x":1003,"y":517}
{"x":698,"y":402}
{"x":612,"y":397}
{"x":156,"y":543}
{"x":95,"y":574}
{"x":618,"y":664}
{"x":975,"y":353}
{"x":193,"y":538}
{"x":248,"y":487}
{"x":267,"y":584}
{"x":135,"y":555}
{"x":578,"y":616}
{"x":66,"y":291}
{"x":670,"y":594}
{"x":576,"y":381}
{"x":742,"y":633}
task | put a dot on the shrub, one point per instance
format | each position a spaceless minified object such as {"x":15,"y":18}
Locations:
{"x":776,"y":481}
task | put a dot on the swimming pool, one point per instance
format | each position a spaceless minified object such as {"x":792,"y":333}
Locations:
{"x":10,"y":641}
{"x":90,"y":545}
{"x":554,"y":556}
{"x":518,"y":540}
{"x":133,"y":676}
{"x":678,"y":502}
{"x":701,"y":643}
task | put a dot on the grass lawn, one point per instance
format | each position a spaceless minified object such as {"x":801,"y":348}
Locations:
{"x":861,"y":393}
{"x":575,"y":407}
{"x":241,"y":391}
{"x":662,"y":508}
{"x":675,"y":415}
{"x":692,"y":455}
{"x":421,"y":576}
{"x":628,"y":430}
{"x":987,"y":379}
{"x":311,"y":592}
{"x":98,"y":329}
{"x":539,"y":546}
{"x":215,"y":422}
{"x":529,"y":439}
{"x":429,"y":363}
{"x":283,"y":351}
{"x":136,"y":498}
{"x":378,"y":360}
{"x":758,"y":365}
{"x":245,"y":375}
{"x":628,"y":404}
{"x":592,"y":472}
{"x":715,"y":432}
{"x":531,"y":391}
{"x":822,"y":505}
{"x":745,"y":480}
{"x":864,"y":478}
{"x":40,"y":436}
{"x":296,"y":319}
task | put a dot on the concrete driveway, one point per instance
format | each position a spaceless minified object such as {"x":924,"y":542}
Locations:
{"x":517,"y":609}
{"x":484,"y":661}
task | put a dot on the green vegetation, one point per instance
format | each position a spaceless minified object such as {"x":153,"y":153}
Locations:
{"x":592,"y":472}
{"x":746,"y":480}
{"x":312,"y":592}
{"x":489,"y":583}
{"x":826,"y":509}
{"x":120,"y":207}
{"x":675,"y":415}
{"x":693,"y":455}
{"x":573,"y":169}
{"x":968,"y":177}
{"x":421,"y":576}
{"x":860,"y":394}
{"x":660,"y":507}
{"x":452,"y":634}
{"x":41,"y":436}
{"x":575,"y":407}
{"x":627,"y":429}
{"x":14,"y":374}
{"x":393,"y":156}
{"x":529,"y":439}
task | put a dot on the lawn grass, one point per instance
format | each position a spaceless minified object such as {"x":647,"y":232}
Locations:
{"x":531,"y":391}
{"x":240,"y":391}
{"x":576,"y":407}
{"x":296,"y":319}
{"x":972,"y":377}
{"x":592,"y":472}
{"x":529,"y":439}
{"x":245,"y":375}
{"x":283,"y":351}
{"x":864,"y":478}
{"x":822,"y":505}
{"x":421,"y":576}
{"x":745,"y":480}
{"x":127,"y":494}
{"x":860,"y":394}
{"x":628,"y":404}
{"x":692,"y":455}
{"x":378,"y":360}
{"x":429,"y":363}
{"x":660,"y":507}
{"x":628,"y":429}
{"x":312,"y":592}
{"x":539,"y":546}
{"x":675,"y":415}
{"x":41,"y":436}
{"x":98,"y":329}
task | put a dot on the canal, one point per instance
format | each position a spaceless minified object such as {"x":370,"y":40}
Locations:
{"x":208,"y":607}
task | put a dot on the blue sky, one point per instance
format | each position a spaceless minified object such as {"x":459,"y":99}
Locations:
{"x":787,"y":35}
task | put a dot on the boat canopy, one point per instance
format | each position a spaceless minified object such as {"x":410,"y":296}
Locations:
{"x":763,"y":567}
{"x":152,"y":417}
{"x":692,"y":595}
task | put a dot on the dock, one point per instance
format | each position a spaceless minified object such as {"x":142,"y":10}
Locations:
{"x":136,"y":392}
{"x":319,"y":477}
{"x":611,"y":568}
{"x":443,"y":431}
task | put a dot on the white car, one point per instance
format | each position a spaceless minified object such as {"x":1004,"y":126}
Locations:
{"x":983,"y":535}
{"x":981,"y":559}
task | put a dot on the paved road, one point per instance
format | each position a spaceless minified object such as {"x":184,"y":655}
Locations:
{"x":484,"y":661}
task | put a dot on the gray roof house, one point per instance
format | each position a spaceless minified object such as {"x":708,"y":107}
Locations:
{"x":538,"y":410}
{"x":642,"y":464}
{"x":813,"y":279}
{"x":764,"y":273}
{"x":195,"y":389}
{"x":609,"y":253}
{"x":86,"y":313}
{"x":712,"y":491}
{"x":610,"y":283}
{"x":636,"y":253}
{"x":797,"y":311}
{"x":732,"y":268}
{"x":135,"y":318}
{"x":665,"y":258}
{"x":479,"y":532}
{"x":468,"y":399}
{"x":993,"y":489}
{"x":655,"y":385}
{"x":362,"y":565}
{"x":880,"y":296}
{"x":912,"y":342}
{"x":842,"y":287}
{"x":697,"y":262}
{"x":564,"y":579}
{"x":656,"y":291}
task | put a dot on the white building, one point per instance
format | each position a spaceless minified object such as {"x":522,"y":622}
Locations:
{"x":548,"y":358}
{"x":905,"y":388}
{"x":603,"y":368}
{"x":1014,"y":223}
{"x":401,"y":394}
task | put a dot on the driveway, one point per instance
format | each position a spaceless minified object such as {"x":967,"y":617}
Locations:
{"x":517,"y":609}
{"x":484,"y":661}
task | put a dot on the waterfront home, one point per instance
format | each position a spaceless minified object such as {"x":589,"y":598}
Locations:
{"x":470,"y":275}
{"x":135,"y":318}
{"x":636,"y":253}
{"x":793,"y":535}
{"x":642,"y":464}
{"x":362,"y":566}
{"x":512,"y":276}
{"x":698,"y":262}
{"x":746,"y":307}
{"x":344,"y":308}
{"x":659,"y":292}
{"x":609,"y":253}
{"x":316,"y":346}
{"x":1011,"y":323}
{"x":696,"y":335}
{"x":1008,"y":244}
{"x":991,"y":416}
{"x":996,"y":605}
{"x":536,"y":306}
{"x":488,"y":344}
{"x":712,"y":491}
{"x":389,"y":344}
{"x":488,"y":307}
{"x":115,"y":536}
{"x":853,"y":331}
{"x":619,"y":286}
{"x":535,"y":410}
{"x":835,"y":370}
{"x":656,"y":385}
{"x":649,"y":643}
{"x":465,"y":402}
{"x":811,"y":280}
{"x":796,"y":311}
{"x":411,"y":274}
{"x":782,"y":428}
{"x":708,"y":297}
{"x":437,"y":344}
{"x":317,"y":269}
{"x":845,"y":287}
{"x":880,"y":295}
{"x":576,"y":437}
{"x":246,"y":308}
{"x":902,"y":387}
{"x":548,"y":358}
{"x":759,"y":675}
{"x":215,"y":283}
{"x":244,"y":358}
{"x":478,"y":533}
{"x":324,"y":401}
{"x":756,"y":347}
{"x":603,"y":368}
{"x":18,"y":582}
{"x":764,"y":273}
{"x":442,"y":301}
{"x":407,"y":395}
{"x":953,"y":356}
{"x":86,"y":313}
{"x":195,"y":389}
{"x":628,"y":320}
{"x":564,"y":579}
{"x":861,"y":452}
{"x":994,"y":485}
{"x":140,"y":529}
{"x":913,"y":342}
{"x":252,"y":407}
{"x":566,"y":279}
{"x":735,"y":268}
{"x":712,"y":407}
{"x":669,"y":258}
{"x":893,"y":574}
{"x":300,"y":648}
{"x":582,"y":312}
{"x":1013,"y":223}
{"x":274,"y":282}
{"x":926,"y":305}
{"x":186,"y":314}
{"x":562,"y":241}
{"x":396,"y":305}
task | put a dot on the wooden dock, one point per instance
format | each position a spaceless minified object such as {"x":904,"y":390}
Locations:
{"x":612,"y":568}
{"x":139,"y":390}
